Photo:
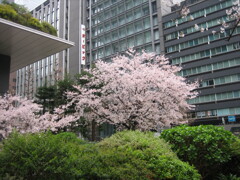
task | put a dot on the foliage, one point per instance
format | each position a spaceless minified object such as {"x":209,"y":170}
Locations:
{"x":137,"y":155}
{"x":125,"y":155}
{"x":233,"y":166}
{"x":40,"y":156}
{"x":48,"y":28}
{"x":19,"y":14}
{"x":228,"y":177}
{"x":53,"y":97}
{"x":136,"y":91}
{"x":205,"y":147}
{"x":45,"y":96}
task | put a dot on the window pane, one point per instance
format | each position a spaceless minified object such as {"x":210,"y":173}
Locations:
{"x":138,"y":26}
{"x":148,"y":37}
{"x":146,"y":23}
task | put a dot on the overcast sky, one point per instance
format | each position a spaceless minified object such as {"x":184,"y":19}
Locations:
{"x":31,"y":4}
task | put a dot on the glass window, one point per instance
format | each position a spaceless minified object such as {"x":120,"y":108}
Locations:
{"x":107,"y":38}
{"x":137,"y":13}
{"x":236,"y":94}
{"x":155,"y":20}
{"x":107,"y":26}
{"x":101,"y":18}
{"x":131,"y":42}
{"x":222,"y":112}
{"x":121,"y":19}
{"x":121,"y":8}
{"x":148,"y":37}
{"x":101,"y":53}
{"x":115,"y":47}
{"x":157,"y":48}
{"x":130,"y":29}
{"x":114,"y":35}
{"x":107,"y":14}
{"x":94,"y":43}
{"x":138,"y":26}
{"x":100,"y":41}
{"x":154,"y":7}
{"x":107,"y":3}
{"x":137,"y":2}
{"x":100,"y":29}
{"x":145,"y":9}
{"x":129,"y":16}
{"x":139,"y":39}
{"x":114,"y":11}
{"x":146,"y":23}
{"x":148,"y":48}
{"x":122,"y":32}
{"x":129,"y":4}
{"x":156,"y":34}
{"x":108,"y":50}
{"x":122,"y":45}
{"x":114,"y":22}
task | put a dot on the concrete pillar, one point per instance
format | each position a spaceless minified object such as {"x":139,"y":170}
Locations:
{"x":4,"y":73}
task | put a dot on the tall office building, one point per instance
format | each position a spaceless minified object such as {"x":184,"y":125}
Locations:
{"x":209,"y":57}
{"x":113,"y":26}
{"x":67,"y":17}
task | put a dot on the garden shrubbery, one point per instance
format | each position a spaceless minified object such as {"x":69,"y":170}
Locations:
{"x":125,"y":155}
{"x":137,"y":155}
{"x":209,"y":148}
{"x":19,"y":14}
{"x":40,"y":156}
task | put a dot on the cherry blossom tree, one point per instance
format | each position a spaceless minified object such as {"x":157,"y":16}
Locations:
{"x":134,"y":91}
{"x":233,"y":14}
{"x":22,"y":115}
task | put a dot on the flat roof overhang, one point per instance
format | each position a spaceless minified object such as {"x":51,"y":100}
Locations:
{"x":26,"y":45}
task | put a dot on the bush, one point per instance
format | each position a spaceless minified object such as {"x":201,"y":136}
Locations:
{"x":40,"y":156}
{"x":48,"y":28}
{"x":233,"y":166}
{"x":7,"y":12}
{"x":35,"y":24}
{"x":125,"y":155}
{"x":137,"y":155}
{"x":19,"y":14}
{"x":205,"y":147}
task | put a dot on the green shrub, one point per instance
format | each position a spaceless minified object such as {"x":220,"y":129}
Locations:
{"x":205,"y":147}
{"x":19,"y":14}
{"x":40,"y":156}
{"x":233,"y":166}
{"x":125,"y":155}
{"x":228,"y":177}
{"x":35,"y":23}
{"x":137,"y":155}
{"x":7,"y":12}
{"x":48,"y":28}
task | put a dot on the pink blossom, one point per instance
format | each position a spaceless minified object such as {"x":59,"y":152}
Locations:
{"x":139,"y":90}
{"x":22,"y":115}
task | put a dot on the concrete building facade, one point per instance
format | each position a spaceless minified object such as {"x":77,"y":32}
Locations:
{"x":113,"y":26}
{"x":66,"y":16}
{"x":209,"y":57}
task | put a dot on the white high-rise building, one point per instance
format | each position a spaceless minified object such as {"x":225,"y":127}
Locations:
{"x":66,"y":16}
